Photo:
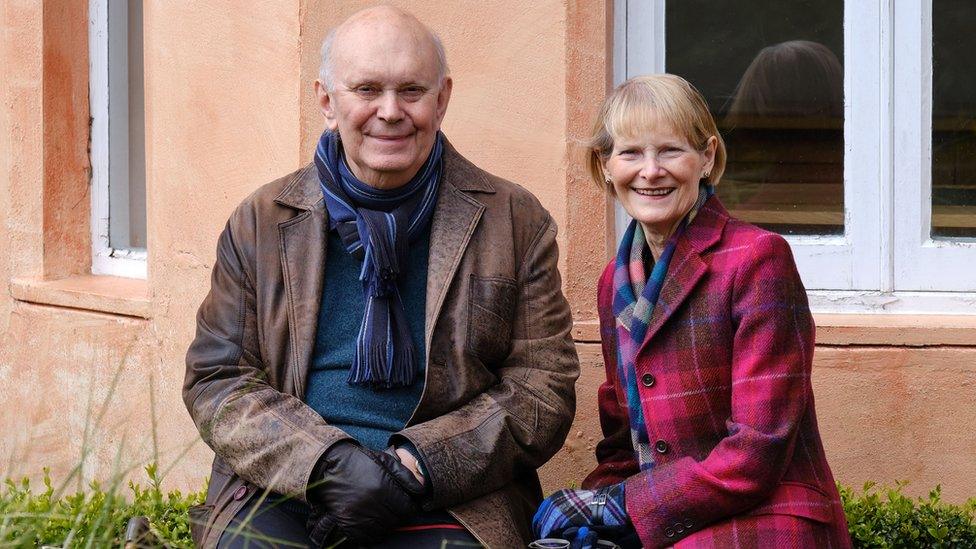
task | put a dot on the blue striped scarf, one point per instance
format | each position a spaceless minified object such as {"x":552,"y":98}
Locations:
{"x":635,"y":294}
{"x":377,"y":227}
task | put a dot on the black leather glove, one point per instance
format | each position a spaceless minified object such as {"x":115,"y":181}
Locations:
{"x":363,"y":493}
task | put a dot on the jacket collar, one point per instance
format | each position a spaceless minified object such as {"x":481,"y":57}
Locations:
{"x":460,"y":173}
{"x":706,"y":229}
{"x":303,"y":191}
{"x":456,"y":216}
{"x":687,"y":267}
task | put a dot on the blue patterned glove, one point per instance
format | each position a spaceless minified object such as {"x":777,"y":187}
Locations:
{"x":601,"y":510}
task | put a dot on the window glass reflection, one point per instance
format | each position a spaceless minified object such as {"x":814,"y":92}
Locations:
{"x":953,"y":119}
{"x":773,"y":77}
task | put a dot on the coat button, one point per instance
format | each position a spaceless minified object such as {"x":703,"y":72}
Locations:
{"x":661,"y":447}
{"x":679,"y":528}
{"x":240,"y":493}
{"x":669,"y":532}
{"x":689,"y":523}
{"x":648,"y":380}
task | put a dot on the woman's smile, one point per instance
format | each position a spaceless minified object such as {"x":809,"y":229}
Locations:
{"x":654,"y":193}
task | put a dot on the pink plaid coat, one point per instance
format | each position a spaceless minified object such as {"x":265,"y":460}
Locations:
{"x":724,"y":380}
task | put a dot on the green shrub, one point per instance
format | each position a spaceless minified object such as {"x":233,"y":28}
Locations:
{"x":876,"y":517}
{"x":93,"y":518}
{"x":887,"y":518}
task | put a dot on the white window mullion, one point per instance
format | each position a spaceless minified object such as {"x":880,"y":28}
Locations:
{"x":854,"y":261}
{"x":645,"y":34}
{"x":921,"y":262}
{"x":913,"y":152}
{"x":98,"y":98}
{"x":640,"y":27}
{"x":621,"y":50}
{"x":867,"y":130}
{"x":886,"y":185}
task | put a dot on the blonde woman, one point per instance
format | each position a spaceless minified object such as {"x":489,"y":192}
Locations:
{"x":710,"y":432}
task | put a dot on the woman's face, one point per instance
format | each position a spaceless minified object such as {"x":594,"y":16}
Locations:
{"x":655,"y":177}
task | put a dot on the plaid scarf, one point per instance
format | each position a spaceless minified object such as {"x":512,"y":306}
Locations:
{"x":376,"y":227}
{"x":634,"y":297}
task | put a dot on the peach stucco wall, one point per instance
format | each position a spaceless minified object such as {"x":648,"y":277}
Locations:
{"x":222,"y":89}
{"x":229,"y":106}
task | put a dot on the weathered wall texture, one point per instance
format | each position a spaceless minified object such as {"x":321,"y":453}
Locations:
{"x":229,"y":106}
{"x":66,"y":200}
{"x":900,"y":413}
{"x":21,"y":138}
{"x":222,"y":113}
{"x":222,"y":104}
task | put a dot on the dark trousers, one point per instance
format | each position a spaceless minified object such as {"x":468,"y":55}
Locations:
{"x":278,"y":522}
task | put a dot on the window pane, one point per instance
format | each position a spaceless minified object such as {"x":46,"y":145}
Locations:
{"x":772,"y":74}
{"x":953,"y":119}
{"x":137,"y":130}
{"x":127,"y":154}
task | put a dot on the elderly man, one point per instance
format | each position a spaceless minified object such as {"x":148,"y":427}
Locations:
{"x":384,"y":356}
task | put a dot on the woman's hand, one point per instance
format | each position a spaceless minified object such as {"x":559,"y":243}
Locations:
{"x":602,"y":510}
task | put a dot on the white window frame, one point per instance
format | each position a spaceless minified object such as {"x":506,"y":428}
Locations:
{"x":862,"y":270}
{"x":922,"y":263}
{"x":106,"y":260}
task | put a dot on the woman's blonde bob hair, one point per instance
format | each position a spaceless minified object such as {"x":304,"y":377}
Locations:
{"x":644,"y":104}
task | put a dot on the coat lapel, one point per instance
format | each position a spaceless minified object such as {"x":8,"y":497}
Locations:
{"x":687,"y":267}
{"x":456,"y":216}
{"x":301,"y":240}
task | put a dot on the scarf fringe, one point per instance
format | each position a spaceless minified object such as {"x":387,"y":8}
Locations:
{"x":378,"y":372}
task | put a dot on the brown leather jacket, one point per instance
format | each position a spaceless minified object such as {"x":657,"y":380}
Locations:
{"x":501,"y":365}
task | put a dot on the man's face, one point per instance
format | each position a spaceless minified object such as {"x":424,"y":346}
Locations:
{"x":387,"y":103}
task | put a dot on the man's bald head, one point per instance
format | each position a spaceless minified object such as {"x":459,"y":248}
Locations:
{"x":379,"y":19}
{"x":384,"y":89}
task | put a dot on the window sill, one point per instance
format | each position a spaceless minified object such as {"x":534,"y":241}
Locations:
{"x":896,"y":330}
{"x":920,"y":330}
{"x":106,"y":294}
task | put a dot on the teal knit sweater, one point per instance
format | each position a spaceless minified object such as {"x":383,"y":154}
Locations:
{"x":369,"y":415}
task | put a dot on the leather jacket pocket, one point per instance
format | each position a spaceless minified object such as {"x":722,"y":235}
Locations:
{"x":491,"y":309}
